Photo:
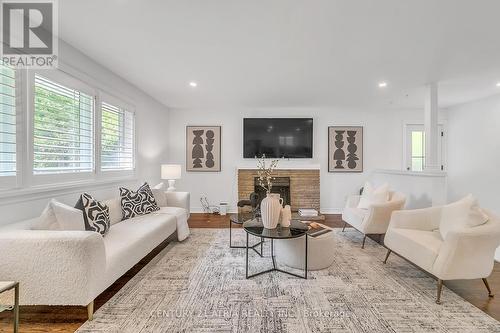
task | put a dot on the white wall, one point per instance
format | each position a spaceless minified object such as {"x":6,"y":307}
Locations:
{"x":422,"y":189}
{"x":383,"y":148}
{"x":152,"y":141}
{"x":474,"y":151}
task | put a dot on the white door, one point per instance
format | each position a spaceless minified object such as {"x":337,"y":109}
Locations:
{"x":415,"y":147}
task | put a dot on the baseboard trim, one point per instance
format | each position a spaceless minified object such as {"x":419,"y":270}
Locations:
{"x":331,"y":210}
{"x":200,"y":210}
{"x":233,"y":210}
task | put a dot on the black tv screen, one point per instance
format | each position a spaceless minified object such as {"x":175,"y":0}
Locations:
{"x":278,"y":137}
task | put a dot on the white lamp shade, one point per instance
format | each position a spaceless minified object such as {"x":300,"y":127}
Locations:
{"x":170,"y":171}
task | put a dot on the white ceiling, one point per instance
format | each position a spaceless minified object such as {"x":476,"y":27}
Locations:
{"x":265,"y":53}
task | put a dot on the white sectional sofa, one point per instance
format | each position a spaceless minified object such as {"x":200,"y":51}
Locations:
{"x":73,"y":267}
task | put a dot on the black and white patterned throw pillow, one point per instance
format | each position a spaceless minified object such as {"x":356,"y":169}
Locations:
{"x":137,"y":203}
{"x":95,"y":214}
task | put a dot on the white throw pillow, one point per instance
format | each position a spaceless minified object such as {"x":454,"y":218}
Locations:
{"x":58,"y":216}
{"x":47,"y":220}
{"x":160,"y":197}
{"x":159,"y":186}
{"x":373,"y":195}
{"x":68,"y":218}
{"x":115,"y":210}
{"x":477,"y":217}
{"x":456,"y":215}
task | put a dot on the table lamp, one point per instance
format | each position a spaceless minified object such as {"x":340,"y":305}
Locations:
{"x":171,"y":172}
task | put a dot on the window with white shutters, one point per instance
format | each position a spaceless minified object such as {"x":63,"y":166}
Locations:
{"x":8,"y":165}
{"x":63,"y":133}
{"x":117,"y":138}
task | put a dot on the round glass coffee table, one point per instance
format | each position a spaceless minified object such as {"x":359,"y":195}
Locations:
{"x":239,"y":219}
{"x":256,"y":228}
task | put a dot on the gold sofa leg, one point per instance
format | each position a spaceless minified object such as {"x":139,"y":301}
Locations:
{"x":90,"y":310}
{"x":440,"y":288}
{"x":487,"y":287}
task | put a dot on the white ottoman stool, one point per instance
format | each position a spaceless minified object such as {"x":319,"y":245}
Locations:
{"x":290,"y":252}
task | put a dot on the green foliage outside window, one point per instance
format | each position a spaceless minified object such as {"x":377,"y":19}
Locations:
{"x":63,"y":129}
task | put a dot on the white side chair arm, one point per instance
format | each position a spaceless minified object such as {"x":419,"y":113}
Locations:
{"x":352,"y":201}
{"x":468,"y":253}
{"x":379,"y":216}
{"x":426,"y":219}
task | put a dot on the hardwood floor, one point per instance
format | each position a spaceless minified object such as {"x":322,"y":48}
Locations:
{"x":69,"y":318}
{"x":218,"y":221}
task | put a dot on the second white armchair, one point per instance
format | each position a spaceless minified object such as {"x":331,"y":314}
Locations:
{"x":375,"y":219}
{"x":465,"y":252}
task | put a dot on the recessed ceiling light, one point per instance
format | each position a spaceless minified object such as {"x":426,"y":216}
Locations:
{"x":382,"y":84}
{"x":498,"y":84}
{"x":193,"y":84}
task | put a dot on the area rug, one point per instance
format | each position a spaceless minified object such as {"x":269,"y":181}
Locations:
{"x":199,"y":285}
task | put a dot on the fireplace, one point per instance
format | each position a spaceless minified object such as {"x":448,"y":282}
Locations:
{"x":281,"y":185}
{"x":303,"y":186}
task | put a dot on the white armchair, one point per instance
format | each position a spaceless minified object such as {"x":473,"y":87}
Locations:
{"x":465,"y":253}
{"x":374,"y":220}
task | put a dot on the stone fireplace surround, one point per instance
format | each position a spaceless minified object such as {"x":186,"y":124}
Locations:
{"x":304,"y":185}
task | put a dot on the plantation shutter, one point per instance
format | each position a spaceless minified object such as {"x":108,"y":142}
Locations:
{"x":7,"y":121}
{"x":117,"y":138}
{"x":63,"y":129}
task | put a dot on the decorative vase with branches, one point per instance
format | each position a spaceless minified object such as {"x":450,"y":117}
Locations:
{"x":265,"y":173}
{"x":270,"y":206}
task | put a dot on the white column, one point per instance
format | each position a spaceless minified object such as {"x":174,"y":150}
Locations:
{"x":431,"y":127}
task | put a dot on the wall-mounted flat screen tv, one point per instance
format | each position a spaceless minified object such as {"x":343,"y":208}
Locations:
{"x":278,"y":137}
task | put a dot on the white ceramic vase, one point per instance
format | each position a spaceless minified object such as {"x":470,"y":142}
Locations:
{"x":270,"y":209}
{"x":286,"y":216}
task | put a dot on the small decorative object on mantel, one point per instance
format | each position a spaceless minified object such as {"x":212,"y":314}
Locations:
{"x":203,"y":148}
{"x":270,"y":207}
{"x":342,"y":156}
{"x":286,"y":216}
